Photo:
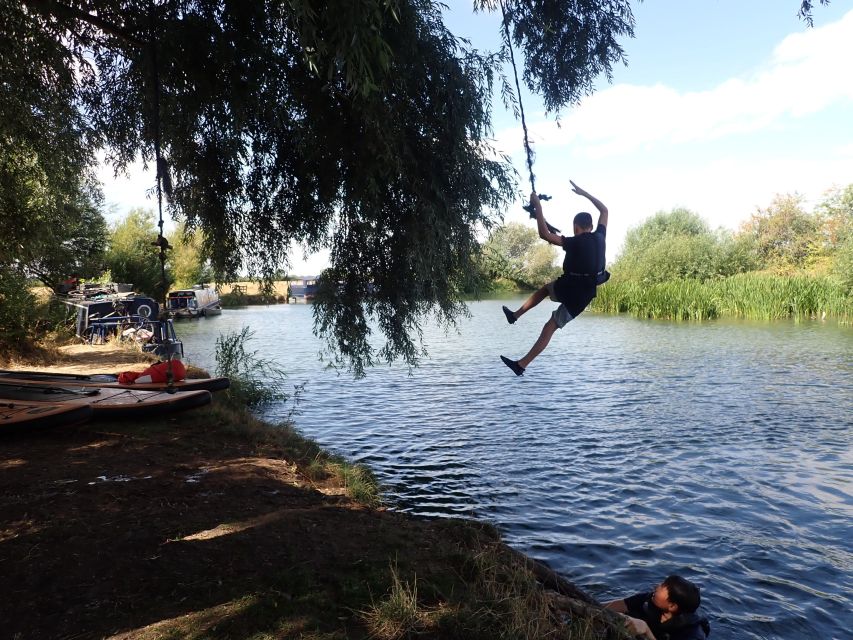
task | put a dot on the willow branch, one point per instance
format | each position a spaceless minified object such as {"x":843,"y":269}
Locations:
{"x":59,"y":10}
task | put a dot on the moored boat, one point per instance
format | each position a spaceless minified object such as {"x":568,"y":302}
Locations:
{"x":105,"y":402}
{"x":303,"y":289}
{"x":109,"y":312}
{"x":201,"y":300}
{"x":27,"y":416}
{"x":107,"y":380}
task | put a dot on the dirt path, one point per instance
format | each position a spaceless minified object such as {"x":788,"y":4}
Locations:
{"x":85,"y":358}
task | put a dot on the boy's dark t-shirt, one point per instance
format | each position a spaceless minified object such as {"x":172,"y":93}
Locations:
{"x":584,"y":259}
{"x":687,"y":626}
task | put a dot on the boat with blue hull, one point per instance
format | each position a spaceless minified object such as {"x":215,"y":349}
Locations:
{"x":303,"y":289}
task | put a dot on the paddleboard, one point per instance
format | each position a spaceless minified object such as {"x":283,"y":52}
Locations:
{"x":24,"y":416}
{"x":105,"y":402}
{"x":110,"y":380}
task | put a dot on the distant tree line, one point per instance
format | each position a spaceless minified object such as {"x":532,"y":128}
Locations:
{"x":783,"y":261}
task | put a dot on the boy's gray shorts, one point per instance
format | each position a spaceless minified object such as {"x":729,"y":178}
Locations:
{"x":561,"y":315}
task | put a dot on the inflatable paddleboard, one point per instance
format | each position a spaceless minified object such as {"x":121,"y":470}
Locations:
{"x":105,"y":402}
{"x":110,"y":380}
{"x":24,"y":416}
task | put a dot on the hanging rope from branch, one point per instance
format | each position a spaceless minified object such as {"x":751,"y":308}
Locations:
{"x":520,"y":104}
{"x":527,"y":147}
{"x":163,"y":182}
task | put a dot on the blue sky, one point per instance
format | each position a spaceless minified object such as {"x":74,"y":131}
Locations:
{"x":723,"y":105}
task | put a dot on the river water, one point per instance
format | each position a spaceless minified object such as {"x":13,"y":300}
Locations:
{"x":630,"y":449}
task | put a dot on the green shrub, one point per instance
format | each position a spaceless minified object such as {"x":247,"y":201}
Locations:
{"x":514,"y":252}
{"x":17,"y":306}
{"x":255,"y":381}
{"x":843,"y":267}
{"x":678,"y":245}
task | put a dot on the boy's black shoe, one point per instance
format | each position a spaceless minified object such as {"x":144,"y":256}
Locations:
{"x":510,"y":316}
{"x":517,"y":369}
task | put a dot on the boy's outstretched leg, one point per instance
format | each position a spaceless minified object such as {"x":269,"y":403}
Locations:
{"x":535,"y":298}
{"x":540,"y":344}
{"x":518,"y":366}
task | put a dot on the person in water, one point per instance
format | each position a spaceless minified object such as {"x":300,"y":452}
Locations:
{"x":583,"y":271}
{"x":667,"y":613}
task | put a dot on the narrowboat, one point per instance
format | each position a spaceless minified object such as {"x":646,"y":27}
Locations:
{"x":303,"y":289}
{"x":107,"y":311}
{"x":201,"y":300}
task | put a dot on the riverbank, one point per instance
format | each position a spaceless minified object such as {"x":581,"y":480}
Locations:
{"x":211,"y":524}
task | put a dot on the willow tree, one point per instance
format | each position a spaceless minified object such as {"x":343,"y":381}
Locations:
{"x":357,"y":125}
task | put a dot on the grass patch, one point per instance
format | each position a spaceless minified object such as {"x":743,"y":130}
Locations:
{"x":494,"y":595}
{"x":255,"y":381}
{"x":756,"y":296}
{"x":358,"y":480}
{"x":398,"y":615}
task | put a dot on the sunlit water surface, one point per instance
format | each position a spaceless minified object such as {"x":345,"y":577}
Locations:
{"x":630,"y":450}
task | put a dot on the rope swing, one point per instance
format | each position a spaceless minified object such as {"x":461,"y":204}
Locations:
{"x":164,"y":183}
{"x":527,"y":148}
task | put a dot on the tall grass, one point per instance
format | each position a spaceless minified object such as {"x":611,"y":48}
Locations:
{"x":255,"y":381}
{"x":357,"y":479}
{"x":501,"y":599}
{"x":757,"y":296}
{"x":770,"y":297}
{"x":398,"y":615}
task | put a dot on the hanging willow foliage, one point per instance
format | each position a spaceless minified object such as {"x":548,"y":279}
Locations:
{"x":360,"y":126}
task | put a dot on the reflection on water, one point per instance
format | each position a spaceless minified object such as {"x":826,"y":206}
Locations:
{"x":630,"y":449}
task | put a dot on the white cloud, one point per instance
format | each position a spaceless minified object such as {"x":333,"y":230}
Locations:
{"x":805,"y":74}
{"x":643,"y":149}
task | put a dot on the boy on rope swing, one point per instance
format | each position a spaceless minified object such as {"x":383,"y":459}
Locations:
{"x":583,"y":271}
